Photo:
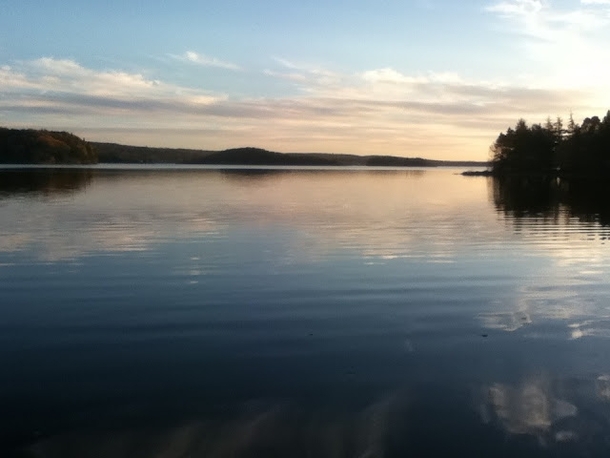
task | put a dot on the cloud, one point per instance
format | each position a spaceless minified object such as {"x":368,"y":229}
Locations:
{"x":566,"y":44}
{"x":206,"y":61}
{"x":381,"y":111}
{"x":294,"y":76}
{"x":306,"y":75}
{"x":517,"y":7}
{"x":61,"y":85}
{"x":543,"y":21}
{"x":389,"y":75}
{"x":48,"y":74}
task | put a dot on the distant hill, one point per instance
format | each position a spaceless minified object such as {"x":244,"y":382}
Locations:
{"x":394,"y":161}
{"x":127,"y":154}
{"x":257,"y":156}
{"x":30,"y":146}
{"x":115,"y":153}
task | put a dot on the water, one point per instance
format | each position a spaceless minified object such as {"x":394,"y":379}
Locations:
{"x":152,"y":312}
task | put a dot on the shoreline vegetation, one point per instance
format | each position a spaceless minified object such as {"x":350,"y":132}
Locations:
{"x":554,"y":149}
{"x":31,"y":146}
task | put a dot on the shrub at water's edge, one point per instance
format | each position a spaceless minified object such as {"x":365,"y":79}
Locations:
{"x":554,"y":150}
{"x":30,"y":146}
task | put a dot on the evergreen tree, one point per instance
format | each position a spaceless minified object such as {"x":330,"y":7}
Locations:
{"x":572,"y":151}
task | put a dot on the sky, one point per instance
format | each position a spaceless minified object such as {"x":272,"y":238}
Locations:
{"x":429,"y":78}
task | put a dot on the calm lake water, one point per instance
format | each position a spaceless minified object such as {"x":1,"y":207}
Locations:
{"x":171,"y":313}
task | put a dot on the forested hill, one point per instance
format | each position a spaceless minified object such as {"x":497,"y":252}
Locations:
{"x":115,"y":153}
{"x":29,"y":146}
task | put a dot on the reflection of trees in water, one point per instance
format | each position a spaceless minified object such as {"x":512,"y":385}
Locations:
{"x":66,"y":180}
{"x":43,"y":181}
{"x":549,"y":198}
{"x":251,"y":174}
{"x":410,"y":173}
{"x":589,"y":200}
{"x":526,"y":196}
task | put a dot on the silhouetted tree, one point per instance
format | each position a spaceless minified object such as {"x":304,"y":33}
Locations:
{"x":524,"y":149}
{"x":552,"y":149}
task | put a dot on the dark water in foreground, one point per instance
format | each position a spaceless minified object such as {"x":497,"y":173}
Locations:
{"x":215,"y":313}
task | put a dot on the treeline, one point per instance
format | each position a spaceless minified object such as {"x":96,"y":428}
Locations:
{"x":258,"y":156}
{"x":116,"y":153}
{"x":127,"y":154}
{"x":554,"y":148}
{"x":30,"y":146}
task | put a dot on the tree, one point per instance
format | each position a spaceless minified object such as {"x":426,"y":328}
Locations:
{"x":524,"y":149}
{"x":572,"y":126}
{"x":552,"y":149}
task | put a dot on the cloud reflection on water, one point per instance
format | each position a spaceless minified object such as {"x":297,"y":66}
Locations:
{"x":557,"y":411}
{"x":579,"y":306}
{"x":530,"y":408}
{"x":381,"y":214}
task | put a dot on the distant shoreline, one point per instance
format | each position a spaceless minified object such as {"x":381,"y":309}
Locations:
{"x":237,"y":167}
{"x":113,"y":153}
{"x":43,"y":147}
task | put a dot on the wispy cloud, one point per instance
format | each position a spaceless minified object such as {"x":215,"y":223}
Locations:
{"x":63,"y":74}
{"x":65,"y":81}
{"x":517,"y":7}
{"x":568,"y":45}
{"x":304,"y":75}
{"x":541,"y":19}
{"x":206,"y":61}
{"x":595,"y":2}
